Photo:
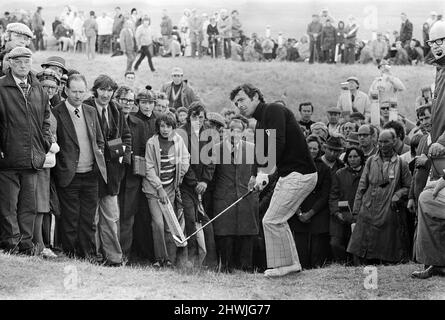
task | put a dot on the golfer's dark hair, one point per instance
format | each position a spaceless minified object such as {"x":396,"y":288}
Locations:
{"x":360,"y":153}
{"x":133,"y":10}
{"x":129,"y":72}
{"x":307,"y":103}
{"x":103,"y":82}
{"x":398,"y":128}
{"x":122,"y":91}
{"x":195,"y":108}
{"x":249,"y":90}
{"x":167,"y":118}
{"x":414,"y":143}
{"x":92,"y":13}
{"x":421,"y":111}
{"x":242,"y":119}
{"x":76,"y":77}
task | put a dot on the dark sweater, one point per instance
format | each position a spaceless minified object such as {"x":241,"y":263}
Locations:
{"x":292,"y":153}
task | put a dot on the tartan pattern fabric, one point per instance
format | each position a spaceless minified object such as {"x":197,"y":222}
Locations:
{"x":288,"y":195}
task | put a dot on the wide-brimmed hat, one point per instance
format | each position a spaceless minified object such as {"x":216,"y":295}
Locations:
{"x":55,"y":61}
{"x":334,"y":143}
{"x":352,"y":78}
{"x":48,"y":74}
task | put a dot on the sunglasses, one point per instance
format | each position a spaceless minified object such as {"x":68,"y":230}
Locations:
{"x":384,"y":108}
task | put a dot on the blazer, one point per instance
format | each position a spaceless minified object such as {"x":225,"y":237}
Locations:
{"x":68,"y":156}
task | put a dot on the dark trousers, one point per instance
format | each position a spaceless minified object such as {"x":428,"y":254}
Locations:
{"x":313,"y":249}
{"x":78,"y":205}
{"x":339,"y":244}
{"x":350,"y":54}
{"x":315,"y":51}
{"x":190,"y":216}
{"x":17,"y":208}
{"x":213,"y":45}
{"x":145,"y":52}
{"x":104,"y":43}
{"x":129,"y":195}
{"x":142,"y":246}
{"x":39,"y":44}
{"x":329,"y":54}
{"x":235,"y":252}
{"x":227,"y":48}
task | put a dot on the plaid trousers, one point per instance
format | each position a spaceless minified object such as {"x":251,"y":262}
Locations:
{"x":289,"y":193}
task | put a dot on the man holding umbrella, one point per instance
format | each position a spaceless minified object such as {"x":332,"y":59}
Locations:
{"x":294,"y":165}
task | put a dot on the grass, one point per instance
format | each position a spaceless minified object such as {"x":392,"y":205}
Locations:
{"x":292,"y":82}
{"x":35,"y":278}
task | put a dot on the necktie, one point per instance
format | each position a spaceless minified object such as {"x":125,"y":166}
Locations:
{"x":77,"y":112}
{"x":105,"y":122}
{"x":24,"y":87}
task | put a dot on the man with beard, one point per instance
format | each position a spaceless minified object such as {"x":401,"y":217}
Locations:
{"x":294,"y":164}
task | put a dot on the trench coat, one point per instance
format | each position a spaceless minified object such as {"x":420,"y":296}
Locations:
{"x":231,"y":182}
{"x":380,"y":231}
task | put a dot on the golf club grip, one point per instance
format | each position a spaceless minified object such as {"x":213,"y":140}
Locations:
{"x":214,"y":218}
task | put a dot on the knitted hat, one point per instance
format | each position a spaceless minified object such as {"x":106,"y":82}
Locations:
{"x":19,"y":28}
{"x":19,"y":52}
{"x":146,"y":94}
{"x":55,"y":61}
{"x":48,"y":74}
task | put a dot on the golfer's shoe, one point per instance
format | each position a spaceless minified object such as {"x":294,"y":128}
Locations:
{"x":282,"y":271}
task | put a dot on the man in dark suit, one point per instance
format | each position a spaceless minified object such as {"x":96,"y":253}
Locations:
{"x":79,"y":164}
{"x":117,"y":137}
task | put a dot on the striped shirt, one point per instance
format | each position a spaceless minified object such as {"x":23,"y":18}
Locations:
{"x":168,"y":168}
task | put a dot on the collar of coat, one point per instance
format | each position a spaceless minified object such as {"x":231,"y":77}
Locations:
{"x":378,"y":157}
{"x":112,"y":107}
{"x":258,"y":113}
{"x":10,"y":82}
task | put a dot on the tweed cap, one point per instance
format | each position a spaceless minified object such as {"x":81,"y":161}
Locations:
{"x":48,"y":74}
{"x":217,"y":118}
{"x":55,"y":61}
{"x":19,"y":28}
{"x":353,"y":138}
{"x":19,"y":52}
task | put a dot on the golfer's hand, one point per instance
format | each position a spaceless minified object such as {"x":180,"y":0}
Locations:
{"x":439,"y":186}
{"x":261,"y":181}
{"x":251,"y":184}
{"x":411,"y":206}
{"x":201,"y":187}
{"x":436,"y":150}
{"x":163,"y":197}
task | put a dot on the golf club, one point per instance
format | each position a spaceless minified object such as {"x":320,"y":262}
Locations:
{"x":226,"y":209}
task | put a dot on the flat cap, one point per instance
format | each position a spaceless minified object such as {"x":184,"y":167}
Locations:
{"x":55,"y":61}
{"x":333,"y":110}
{"x":319,"y":125}
{"x":19,"y":28}
{"x":19,"y":52}
{"x":353,"y":138}
{"x":177,"y":70}
{"x":216,"y":117}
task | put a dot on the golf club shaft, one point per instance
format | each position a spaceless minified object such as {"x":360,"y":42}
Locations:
{"x":210,"y":221}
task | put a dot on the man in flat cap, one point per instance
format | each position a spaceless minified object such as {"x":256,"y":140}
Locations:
{"x":25,"y":139}
{"x":56,"y":64}
{"x":179,"y":93}
{"x":17,"y":35}
{"x":333,"y":124}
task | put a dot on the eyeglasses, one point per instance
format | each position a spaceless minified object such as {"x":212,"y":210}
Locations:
{"x":363,"y":135}
{"x":384,"y":108}
{"x":177,"y":75}
{"x":126,"y":101}
{"x":439,"y":42}
{"x":50,"y":87}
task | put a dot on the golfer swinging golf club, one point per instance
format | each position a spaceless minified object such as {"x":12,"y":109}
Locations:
{"x":297,"y":172}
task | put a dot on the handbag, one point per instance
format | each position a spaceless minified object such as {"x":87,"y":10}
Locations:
{"x":138,"y":164}
{"x":115,"y":148}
